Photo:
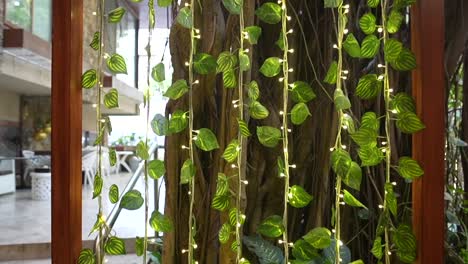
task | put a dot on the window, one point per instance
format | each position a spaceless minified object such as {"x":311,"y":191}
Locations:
{"x":31,"y":15}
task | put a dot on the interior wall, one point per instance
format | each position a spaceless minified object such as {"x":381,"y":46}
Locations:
{"x":9,"y":106}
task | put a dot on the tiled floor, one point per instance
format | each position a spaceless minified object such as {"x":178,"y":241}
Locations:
{"x":23,"y":220}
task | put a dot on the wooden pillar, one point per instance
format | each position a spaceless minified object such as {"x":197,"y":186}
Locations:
{"x":428,"y":146}
{"x":67,"y":39}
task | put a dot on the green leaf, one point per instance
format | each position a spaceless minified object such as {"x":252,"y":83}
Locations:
{"x":116,"y":15}
{"x":367,"y":23}
{"x":204,"y":63}
{"x":232,"y":151}
{"x":331,"y":76}
{"x":252,"y":34}
{"x":132,"y":200}
{"x":158,"y":72}
{"x":349,"y":199}
{"x":233,"y":6}
{"x":253,"y":90}
{"x":244,"y":129}
{"x":139,"y":246}
{"x":271,"y":67}
{"x":409,"y":168}
{"x":222,"y":185}
{"x":405,"y":61}
{"x":160,"y":125}
{"x":304,"y":251}
{"x":280,"y":42}
{"x":177,"y":89}
{"x":187,"y":172}
{"x":263,"y":249}
{"x":298,"y":197}
{"x":301,"y":92}
{"x":351,"y":46}
{"x":178,"y":121}
{"x":370,"y":155}
{"x":224,"y":233}
{"x":394,"y":21}
{"x":226,"y":61}
{"x":368,"y":87}
{"x":233,"y":217}
{"x":96,"y":41}
{"x":319,"y":237}
{"x":280,"y":163}
{"x":160,"y":223}
{"x":271,"y":227}
{"x":142,"y":151}
{"x":184,"y":17}
{"x":114,"y":194}
{"x":108,"y":126}
{"x":87,"y":257}
{"x":340,"y":162}
{"x":112,"y":157}
{"x":152,"y":19}
{"x":353,"y":176}
{"x":332,"y":3}
{"x":365,"y":137}
{"x":359,"y":261}
{"x":299,"y":113}
{"x":390,"y":199}
{"x":244,"y":61}
{"x":229,"y":79}
{"x":206,"y":140}
{"x":373,"y":3}
{"x":369,"y":120}
{"x":220,"y":202}
{"x":405,"y":242}
{"x":348,"y":123}
{"x":257,"y":110}
{"x":98,"y":182}
{"x":268,"y":136}
{"x":403,"y":102}
{"x":111,"y":99}
{"x":392,"y":50}
{"x":377,"y":248}
{"x":116,"y":64}
{"x":409,"y":123}
{"x":341,"y":101}
{"x":156,"y":169}
{"x":115,"y":246}
{"x":403,"y":3}
{"x":370,"y":47}
{"x":269,"y":13}
{"x":164,"y":3}
{"x":89,"y":79}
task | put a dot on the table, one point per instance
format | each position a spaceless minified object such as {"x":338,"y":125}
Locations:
{"x":121,"y":160}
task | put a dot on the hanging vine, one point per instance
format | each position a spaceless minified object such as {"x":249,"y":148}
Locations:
{"x":372,"y":149}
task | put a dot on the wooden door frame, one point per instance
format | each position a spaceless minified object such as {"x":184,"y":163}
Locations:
{"x":428,"y":42}
{"x":428,"y":88}
{"x":67,"y":42}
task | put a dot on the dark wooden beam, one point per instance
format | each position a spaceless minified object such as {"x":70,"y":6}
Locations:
{"x":428,"y":37}
{"x":67,"y":40}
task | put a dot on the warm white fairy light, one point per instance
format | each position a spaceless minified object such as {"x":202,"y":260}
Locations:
{"x":381,"y":206}
{"x":335,"y":46}
{"x":332,"y":149}
{"x":281,"y":112}
{"x":245,"y":182}
{"x":293,"y":166}
{"x":291,"y":50}
{"x":346,"y":31}
{"x":380,"y":29}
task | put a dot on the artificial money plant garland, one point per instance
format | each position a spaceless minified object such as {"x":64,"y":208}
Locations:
{"x":347,"y":171}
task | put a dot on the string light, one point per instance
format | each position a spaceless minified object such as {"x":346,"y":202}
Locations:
{"x":293,"y":166}
{"x":346,"y":31}
{"x":281,"y":112}
{"x":291,"y":51}
{"x":335,"y":46}
{"x":380,"y":66}
{"x":380,"y":29}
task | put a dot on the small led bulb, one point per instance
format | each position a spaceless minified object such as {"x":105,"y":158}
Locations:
{"x":380,"y":30}
{"x":345,"y":31}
